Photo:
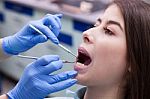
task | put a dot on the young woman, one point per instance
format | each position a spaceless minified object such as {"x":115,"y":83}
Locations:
{"x":114,"y":58}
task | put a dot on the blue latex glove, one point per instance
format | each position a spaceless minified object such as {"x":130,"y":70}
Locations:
{"x":27,"y":37}
{"x":36,"y":83}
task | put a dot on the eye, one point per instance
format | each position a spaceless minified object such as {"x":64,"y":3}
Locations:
{"x":108,"y":31}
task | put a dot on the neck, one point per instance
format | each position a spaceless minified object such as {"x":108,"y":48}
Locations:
{"x":100,"y":93}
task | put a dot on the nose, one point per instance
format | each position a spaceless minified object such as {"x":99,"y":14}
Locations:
{"x":87,"y":37}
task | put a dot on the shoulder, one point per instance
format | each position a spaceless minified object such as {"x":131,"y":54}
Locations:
{"x":78,"y":95}
{"x":81,"y":92}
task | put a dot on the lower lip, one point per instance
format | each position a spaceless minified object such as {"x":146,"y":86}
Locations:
{"x":80,"y":67}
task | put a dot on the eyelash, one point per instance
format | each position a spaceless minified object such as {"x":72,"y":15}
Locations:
{"x":108,"y":31}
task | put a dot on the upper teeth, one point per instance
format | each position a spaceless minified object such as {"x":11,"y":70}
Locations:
{"x":80,"y":64}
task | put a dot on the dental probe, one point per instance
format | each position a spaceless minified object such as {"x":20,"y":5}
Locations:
{"x":27,"y":57}
{"x":67,"y":50}
{"x":36,"y":58}
{"x":61,"y":46}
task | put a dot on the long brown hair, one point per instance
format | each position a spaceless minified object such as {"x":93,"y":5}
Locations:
{"x":136,"y":14}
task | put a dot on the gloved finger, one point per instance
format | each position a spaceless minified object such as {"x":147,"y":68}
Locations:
{"x":53,"y":66}
{"x":46,"y":31}
{"x":57,"y":18}
{"x":59,"y":15}
{"x":51,"y":22}
{"x":51,"y":79}
{"x":29,"y":29}
{"x":39,"y":39}
{"x":45,"y":60}
{"x":55,"y":30}
{"x":62,"y":85}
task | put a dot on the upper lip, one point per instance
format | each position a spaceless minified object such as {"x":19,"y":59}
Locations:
{"x":82,"y":50}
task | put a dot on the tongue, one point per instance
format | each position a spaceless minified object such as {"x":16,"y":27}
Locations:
{"x":87,"y":62}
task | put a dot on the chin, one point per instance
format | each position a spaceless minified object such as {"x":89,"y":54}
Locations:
{"x":82,"y":80}
{"x":83,"y":65}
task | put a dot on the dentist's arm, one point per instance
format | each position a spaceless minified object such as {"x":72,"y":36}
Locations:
{"x":37,"y":81}
{"x":27,"y":37}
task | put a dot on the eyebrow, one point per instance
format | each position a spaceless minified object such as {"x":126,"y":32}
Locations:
{"x":111,"y":22}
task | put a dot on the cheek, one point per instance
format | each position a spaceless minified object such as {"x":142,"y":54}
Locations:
{"x":110,"y":54}
{"x":109,"y":62}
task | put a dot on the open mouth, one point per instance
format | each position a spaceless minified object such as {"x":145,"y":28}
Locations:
{"x":83,"y":56}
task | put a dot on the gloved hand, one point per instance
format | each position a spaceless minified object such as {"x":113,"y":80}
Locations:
{"x":36,"y":83}
{"x":26,"y":38}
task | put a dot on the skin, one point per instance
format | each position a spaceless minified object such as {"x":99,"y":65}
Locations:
{"x":2,"y":55}
{"x":3,"y":97}
{"x":107,"y":48}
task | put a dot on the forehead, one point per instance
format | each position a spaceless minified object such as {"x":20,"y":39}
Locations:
{"x":113,"y":13}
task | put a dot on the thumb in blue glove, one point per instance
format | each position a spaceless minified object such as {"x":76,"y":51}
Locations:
{"x":36,"y":83}
{"x":27,"y":37}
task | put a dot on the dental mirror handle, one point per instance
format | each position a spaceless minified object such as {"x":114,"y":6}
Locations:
{"x":61,"y":46}
{"x":36,"y":58}
{"x":67,"y":50}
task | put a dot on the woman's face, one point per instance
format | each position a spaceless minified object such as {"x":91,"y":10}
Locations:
{"x":102,"y":55}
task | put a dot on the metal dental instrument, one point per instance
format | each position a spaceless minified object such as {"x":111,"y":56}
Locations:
{"x":36,"y":58}
{"x":67,"y":50}
{"x":27,"y":57}
{"x":61,"y":46}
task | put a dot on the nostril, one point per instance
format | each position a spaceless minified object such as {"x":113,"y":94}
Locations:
{"x":86,"y":39}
